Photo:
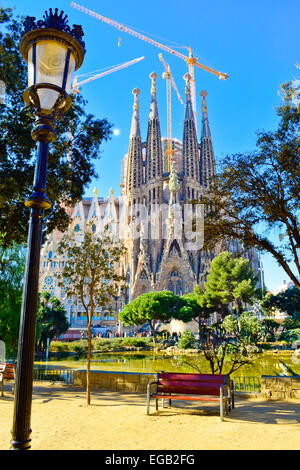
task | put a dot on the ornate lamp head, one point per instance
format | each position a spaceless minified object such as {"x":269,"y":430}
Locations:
{"x":53,"y":52}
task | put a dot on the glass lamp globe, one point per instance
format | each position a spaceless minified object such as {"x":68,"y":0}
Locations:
{"x":53,"y":52}
{"x":50,"y":62}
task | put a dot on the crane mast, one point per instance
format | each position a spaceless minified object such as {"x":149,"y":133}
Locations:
{"x":190,"y":60}
{"x":169,"y":83}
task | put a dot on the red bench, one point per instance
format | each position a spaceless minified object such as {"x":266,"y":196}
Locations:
{"x":7,"y":372}
{"x":198,"y":387}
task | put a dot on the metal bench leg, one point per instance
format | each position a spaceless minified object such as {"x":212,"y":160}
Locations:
{"x":221,"y":404}
{"x":226,"y":406}
{"x":169,"y":401}
{"x":156,"y":404}
{"x":148,"y":403}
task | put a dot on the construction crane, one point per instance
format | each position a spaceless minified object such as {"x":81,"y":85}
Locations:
{"x":76,"y":85}
{"x":190,"y":60}
{"x":169,"y":82}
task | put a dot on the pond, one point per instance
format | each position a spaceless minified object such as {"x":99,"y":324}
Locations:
{"x":267,"y":363}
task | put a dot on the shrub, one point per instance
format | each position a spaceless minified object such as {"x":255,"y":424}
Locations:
{"x":79,"y":347}
{"x":58,"y":346}
{"x":136,"y":342}
{"x":187,"y":340}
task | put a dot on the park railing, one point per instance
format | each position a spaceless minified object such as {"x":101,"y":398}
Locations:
{"x":53,"y":375}
{"x":246,"y":384}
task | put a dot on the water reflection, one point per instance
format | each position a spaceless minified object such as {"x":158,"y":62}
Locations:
{"x":263,"y":364}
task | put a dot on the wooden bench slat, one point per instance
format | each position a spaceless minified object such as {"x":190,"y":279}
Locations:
{"x":193,"y":377}
{"x":188,"y":387}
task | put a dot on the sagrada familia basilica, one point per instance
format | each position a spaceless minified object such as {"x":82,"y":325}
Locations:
{"x":158,"y":215}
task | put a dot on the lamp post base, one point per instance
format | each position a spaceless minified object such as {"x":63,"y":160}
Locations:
{"x":20,"y":445}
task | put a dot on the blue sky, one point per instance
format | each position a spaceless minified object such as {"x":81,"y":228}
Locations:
{"x":255,"y":42}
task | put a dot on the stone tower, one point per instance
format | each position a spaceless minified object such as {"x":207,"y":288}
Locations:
{"x":207,"y":158}
{"x":160,"y":255}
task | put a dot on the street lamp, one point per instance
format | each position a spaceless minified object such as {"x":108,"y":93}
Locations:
{"x":53,"y":52}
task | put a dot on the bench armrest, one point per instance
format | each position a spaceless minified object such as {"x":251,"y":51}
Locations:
{"x":227,"y":390}
{"x":149,"y":386}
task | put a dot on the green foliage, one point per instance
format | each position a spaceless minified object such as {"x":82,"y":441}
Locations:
{"x":231,"y":280}
{"x":250,"y":329}
{"x":291,"y":328}
{"x":152,"y":308}
{"x":135,"y":342}
{"x":187,"y":340}
{"x":292,"y":322}
{"x":256,"y":194}
{"x":287,"y":301}
{"x":290,"y":335}
{"x":78,"y":347}
{"x":230,"y":343}
{"x":90,"y":274}
{"x":102,"y":345}
{"x":194,"y":306}
{"x":51,"y":319}
{"x":12,"y":266}
{"x":270,"y":327}
{"x":65,"y":183}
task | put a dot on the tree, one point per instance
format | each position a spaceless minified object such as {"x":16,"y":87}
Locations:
{"x":66,"y":181}
{"x":291,"y":328}
{"x":195,"y":307}
{"x":255,"y":198}
{"x":231,"y":280}
{"x":287,"y":301}
{"x":51,"y":319}
{"x":91,"y":275}
{"x":153,"y":308}
{"x":228,"y":343}
{"x":12,"y":266}
{"x":270,"y":326}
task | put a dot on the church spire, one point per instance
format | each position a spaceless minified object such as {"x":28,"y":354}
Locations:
{"x":153,"y":145}
{"x":134,"y":158}
{"x":135,"y":124}
{"x":207,"y":158}
{"x":190,"y":145}
{"x":205,"y":131}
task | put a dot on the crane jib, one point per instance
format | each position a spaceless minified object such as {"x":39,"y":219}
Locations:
{"x":124,"y":28}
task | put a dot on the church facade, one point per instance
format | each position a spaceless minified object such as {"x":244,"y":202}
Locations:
{"x":158,"y":215}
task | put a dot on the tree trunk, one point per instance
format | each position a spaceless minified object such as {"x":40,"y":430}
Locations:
{"x":88,"y":366}
{"x":153,"y":333}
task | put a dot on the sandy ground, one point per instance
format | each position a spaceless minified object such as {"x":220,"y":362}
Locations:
{"x":61,"y":420}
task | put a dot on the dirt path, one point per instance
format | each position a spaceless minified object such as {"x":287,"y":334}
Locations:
{"x":61,"y":420}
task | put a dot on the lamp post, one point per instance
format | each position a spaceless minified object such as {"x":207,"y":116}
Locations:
{"x":53,"y":52}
